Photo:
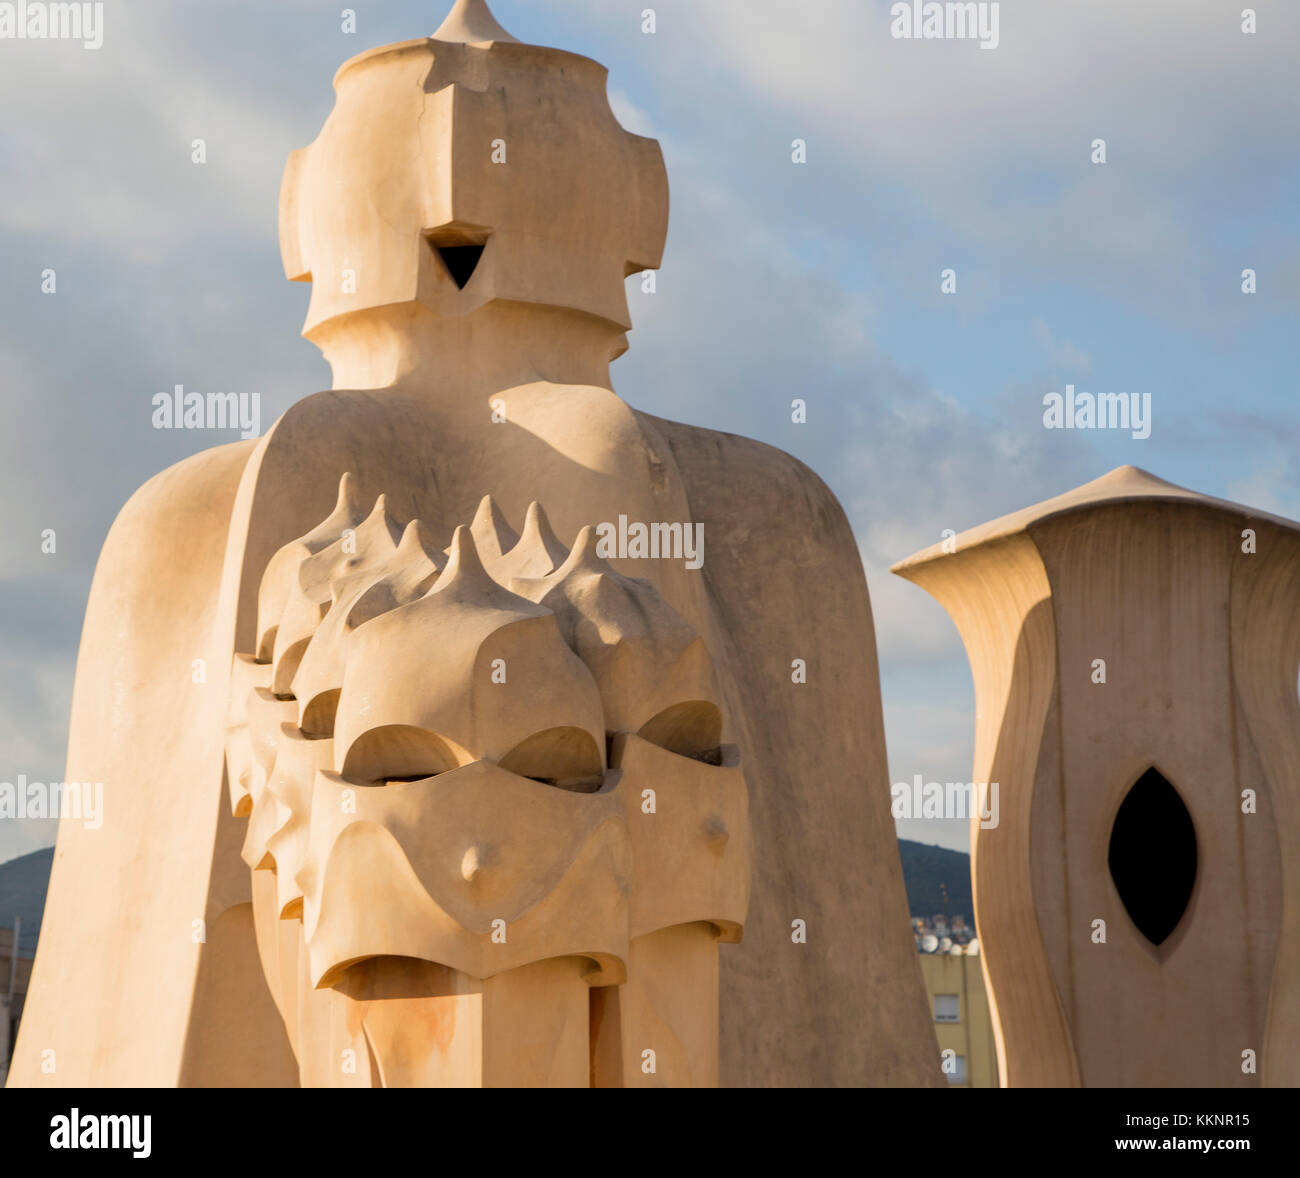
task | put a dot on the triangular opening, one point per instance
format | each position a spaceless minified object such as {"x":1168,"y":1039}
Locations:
{"x":1153,"y":856}
{"x":461,"y":261}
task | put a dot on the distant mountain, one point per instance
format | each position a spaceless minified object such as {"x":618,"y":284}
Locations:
{"x":23,"y":882}
{"x":925,"y":869}
{"x":22,"y":893}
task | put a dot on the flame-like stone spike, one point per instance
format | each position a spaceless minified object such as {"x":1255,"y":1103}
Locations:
{"x":358,"y":597}
{"x":537,"y":529}
{"x":585,"y":555}
{"x":416,"y":540}
{"x":322,"y":578}
{"x":465,"y":573}
{"x":538,"y":553}
{"x":493,"y":535}
{"x":282,"y":578}
{"x":471,"y":22}
{"x":347,"y":498}
{"x":630,"y":637}
{"x":538,"y":535}
{"x":372,"y":541}
{"x":346,"y":514}
{"x":380,"y":513}
{"x":412,"y":572}
{"x":326,"y":570}
{"x":582,"y":560}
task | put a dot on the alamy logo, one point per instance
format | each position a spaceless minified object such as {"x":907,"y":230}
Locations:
{"x":1130,"y":411}
{"x":928,"y":20}
{"x":949,"y":799}
{"x":181,"y":410}
{"x":29,"y":20}
{"x":86,"y":1131}
{"x":82,"y":800}
{"x":660,"y":541}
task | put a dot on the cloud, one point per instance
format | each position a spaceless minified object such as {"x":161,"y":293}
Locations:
{"x":993,"y":148}
{"x":1061,"y":355}
{"x":104,"y":154}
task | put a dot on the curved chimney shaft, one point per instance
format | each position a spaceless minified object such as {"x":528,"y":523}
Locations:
{"x":1135,"y":648}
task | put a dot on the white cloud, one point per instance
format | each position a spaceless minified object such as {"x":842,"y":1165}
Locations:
{"x":996,"y":145}
{"x":103,"y":155}
{"x":1060,"y":354}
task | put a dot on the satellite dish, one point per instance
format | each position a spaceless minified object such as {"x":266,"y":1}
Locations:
{"x":929,"y":943}
{"x":945,"y":944}
{"x":973,"y":949}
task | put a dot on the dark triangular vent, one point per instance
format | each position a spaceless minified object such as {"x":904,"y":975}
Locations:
{"x":461,"y":261}
{"x":1153,"y":856}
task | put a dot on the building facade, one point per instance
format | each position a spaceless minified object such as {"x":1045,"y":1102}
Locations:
{"x":954,"y":986}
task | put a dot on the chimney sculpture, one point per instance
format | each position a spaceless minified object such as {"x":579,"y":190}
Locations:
{"x":1135,"y":648}
{"x":533,"y":872}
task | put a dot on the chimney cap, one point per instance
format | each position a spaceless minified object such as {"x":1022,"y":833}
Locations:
{"x":1124,"y":484}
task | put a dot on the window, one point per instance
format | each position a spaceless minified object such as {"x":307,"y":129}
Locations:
{"x":946,"y":1009}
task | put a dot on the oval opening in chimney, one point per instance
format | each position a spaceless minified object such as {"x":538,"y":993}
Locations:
{"x":1153,"y":856}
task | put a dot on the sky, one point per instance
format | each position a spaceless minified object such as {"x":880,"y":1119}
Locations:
{"x":818,"y":279}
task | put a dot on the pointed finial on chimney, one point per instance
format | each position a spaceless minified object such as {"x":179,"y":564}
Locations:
{"x":470,"y":22}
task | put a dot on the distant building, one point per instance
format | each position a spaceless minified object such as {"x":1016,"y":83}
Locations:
{"x":954,"y":983}
{"x":14,"y":978}
{"x":953,"y":930}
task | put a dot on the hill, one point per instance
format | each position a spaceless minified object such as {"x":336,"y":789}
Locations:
{"x":22,"y":892}
{"x":925,"y":869}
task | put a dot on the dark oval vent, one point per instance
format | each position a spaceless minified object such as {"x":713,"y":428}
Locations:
{"x":1153,"y":856}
